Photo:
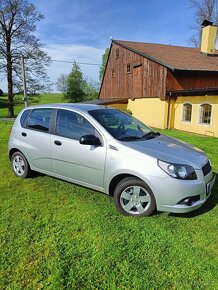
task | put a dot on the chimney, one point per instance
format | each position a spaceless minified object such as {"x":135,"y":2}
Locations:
{"x":208,"y":37}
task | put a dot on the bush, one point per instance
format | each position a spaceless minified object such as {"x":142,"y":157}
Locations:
{"x":1,"y":92}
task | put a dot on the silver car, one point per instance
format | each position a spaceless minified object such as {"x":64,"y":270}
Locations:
{"x":110,"y":151}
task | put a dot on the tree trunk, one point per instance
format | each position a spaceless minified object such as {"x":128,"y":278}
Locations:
{"x":10,"y":79}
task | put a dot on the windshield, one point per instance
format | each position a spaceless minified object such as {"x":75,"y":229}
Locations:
{"x":122,"y":126}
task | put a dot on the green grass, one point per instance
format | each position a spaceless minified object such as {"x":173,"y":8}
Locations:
{"x":19,"y":104}
{"x":56,"y":235}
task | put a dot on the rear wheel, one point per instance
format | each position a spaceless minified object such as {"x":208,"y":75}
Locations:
{"x":133,"y":197}
{"x":20,"y":165}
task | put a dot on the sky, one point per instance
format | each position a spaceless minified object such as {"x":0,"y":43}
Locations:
{"x":81,"y":30}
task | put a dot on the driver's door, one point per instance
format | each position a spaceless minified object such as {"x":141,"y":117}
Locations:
{"x":72,"y":160}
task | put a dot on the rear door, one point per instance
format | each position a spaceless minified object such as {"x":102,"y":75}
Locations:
{"x":35,"y":139}
{"x":72,"y":160}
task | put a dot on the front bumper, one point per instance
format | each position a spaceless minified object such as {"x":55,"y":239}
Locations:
{"x":185,"y":196}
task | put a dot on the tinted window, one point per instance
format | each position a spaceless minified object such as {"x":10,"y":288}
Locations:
{"x":39,"y":119}
{"x":23,"y":117}
{"x":72,"y":125}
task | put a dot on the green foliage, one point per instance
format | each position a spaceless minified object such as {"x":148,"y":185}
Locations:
{"x":18,"y":22}
{"x":75,"y":85}
{"x":34,"y":100}
{"x":55,"y":235}
{"x":91,"y":91}
{"x":103,"y":64}
{"x":78,"y":89}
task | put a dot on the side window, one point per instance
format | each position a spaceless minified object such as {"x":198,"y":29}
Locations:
{"x":187,"y":113}
{"x":39,"y":119}
{"x":205,"y":114}
{"x":117,"y":53}
{"x":72,"y":125}
{"x":128,"y":68}
{"x":24,"y":117}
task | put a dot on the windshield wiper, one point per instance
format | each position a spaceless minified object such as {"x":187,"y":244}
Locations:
{"x":130,"y":138}
{"x":151,"y":134}
{"x":148,"y":135}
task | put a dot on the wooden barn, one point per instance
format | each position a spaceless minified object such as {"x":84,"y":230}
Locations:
{"x":166,"y":86}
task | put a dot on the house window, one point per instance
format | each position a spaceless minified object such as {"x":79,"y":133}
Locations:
{"x":205,"y":113}
{"x":113,"y":73}
{"x":187,"y":113}
{"x":128,"y":68}
{"x":117,"y":53}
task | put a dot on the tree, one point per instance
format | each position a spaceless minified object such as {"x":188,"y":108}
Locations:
{"x":79,"y":89}
{"x":18,"y":19}
{"x":204,"y":9}
{"x":103,"y":64}
{"x":91,"y":90}
{"x":61,"y":83}
{"x":75,"y":85}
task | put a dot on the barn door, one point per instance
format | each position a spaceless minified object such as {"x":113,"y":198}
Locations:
{"x":138,"y":81}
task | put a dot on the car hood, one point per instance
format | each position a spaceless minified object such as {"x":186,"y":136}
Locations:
{"x":170,"y":150}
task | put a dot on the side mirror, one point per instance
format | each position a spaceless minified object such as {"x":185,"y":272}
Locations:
{"x":90,"y":140}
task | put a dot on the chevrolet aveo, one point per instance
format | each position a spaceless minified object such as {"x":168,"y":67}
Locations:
{"x":110,"y":151}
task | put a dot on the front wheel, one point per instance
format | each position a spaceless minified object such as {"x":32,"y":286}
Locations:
{"x":133,"y":197}
{"x":20,"y":165}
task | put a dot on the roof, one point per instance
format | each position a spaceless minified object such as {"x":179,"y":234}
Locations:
{"x":76,"y":106}
{"x":107,"y":101}
{"x":173,"y":57}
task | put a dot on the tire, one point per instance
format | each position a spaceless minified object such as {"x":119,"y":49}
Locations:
{"x":132,"y":197}
{"x":20,"y":165}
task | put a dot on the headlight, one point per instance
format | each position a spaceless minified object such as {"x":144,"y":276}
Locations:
{"x":180,"y":171}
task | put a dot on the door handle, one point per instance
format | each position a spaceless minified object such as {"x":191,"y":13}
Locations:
{"x":23,"y":134}
{"x":58,"y":143}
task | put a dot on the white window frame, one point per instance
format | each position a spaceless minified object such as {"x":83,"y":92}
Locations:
{"x":183,"y":106}
{"x":200,"y":116}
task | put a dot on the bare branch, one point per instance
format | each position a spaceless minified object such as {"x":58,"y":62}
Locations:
{"x":18,"y":19}
{"x":204,"y":9}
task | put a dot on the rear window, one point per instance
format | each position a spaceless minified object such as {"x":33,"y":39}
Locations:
{"x":24,"y":117}
{"x":39,"y":119}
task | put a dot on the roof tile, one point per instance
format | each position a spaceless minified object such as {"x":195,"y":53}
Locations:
{"x":174,"y":57}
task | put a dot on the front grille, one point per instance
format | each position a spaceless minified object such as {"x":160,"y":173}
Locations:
{"x":206,"y":168}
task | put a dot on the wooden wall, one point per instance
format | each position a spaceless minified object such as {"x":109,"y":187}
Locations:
{"x":146,"y":78}
{"x":185,"y":80}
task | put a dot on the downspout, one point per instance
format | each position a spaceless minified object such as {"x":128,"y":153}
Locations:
{"x":168,"y":113}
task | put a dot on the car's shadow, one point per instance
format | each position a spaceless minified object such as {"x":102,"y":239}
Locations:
{"x":208,"y":206}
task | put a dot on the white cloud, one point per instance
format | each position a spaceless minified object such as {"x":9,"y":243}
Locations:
{"x":79,"y":53}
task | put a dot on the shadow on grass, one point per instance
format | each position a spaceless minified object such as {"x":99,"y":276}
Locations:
{"x":208,"y":206}
{"x":3,"y":102}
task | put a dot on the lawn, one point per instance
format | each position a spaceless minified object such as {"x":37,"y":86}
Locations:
{"x":56,"y":235}
{"x":19,"y":104}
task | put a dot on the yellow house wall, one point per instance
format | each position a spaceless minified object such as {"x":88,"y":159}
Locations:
{"x":119,"y":106}
{"x":194,"y":125}
{"x":151,"y":111}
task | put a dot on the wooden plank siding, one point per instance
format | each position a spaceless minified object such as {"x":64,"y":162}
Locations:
{"x":189,"y":80}
{"x":148,"y":78}
{"x":145,"y":79}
